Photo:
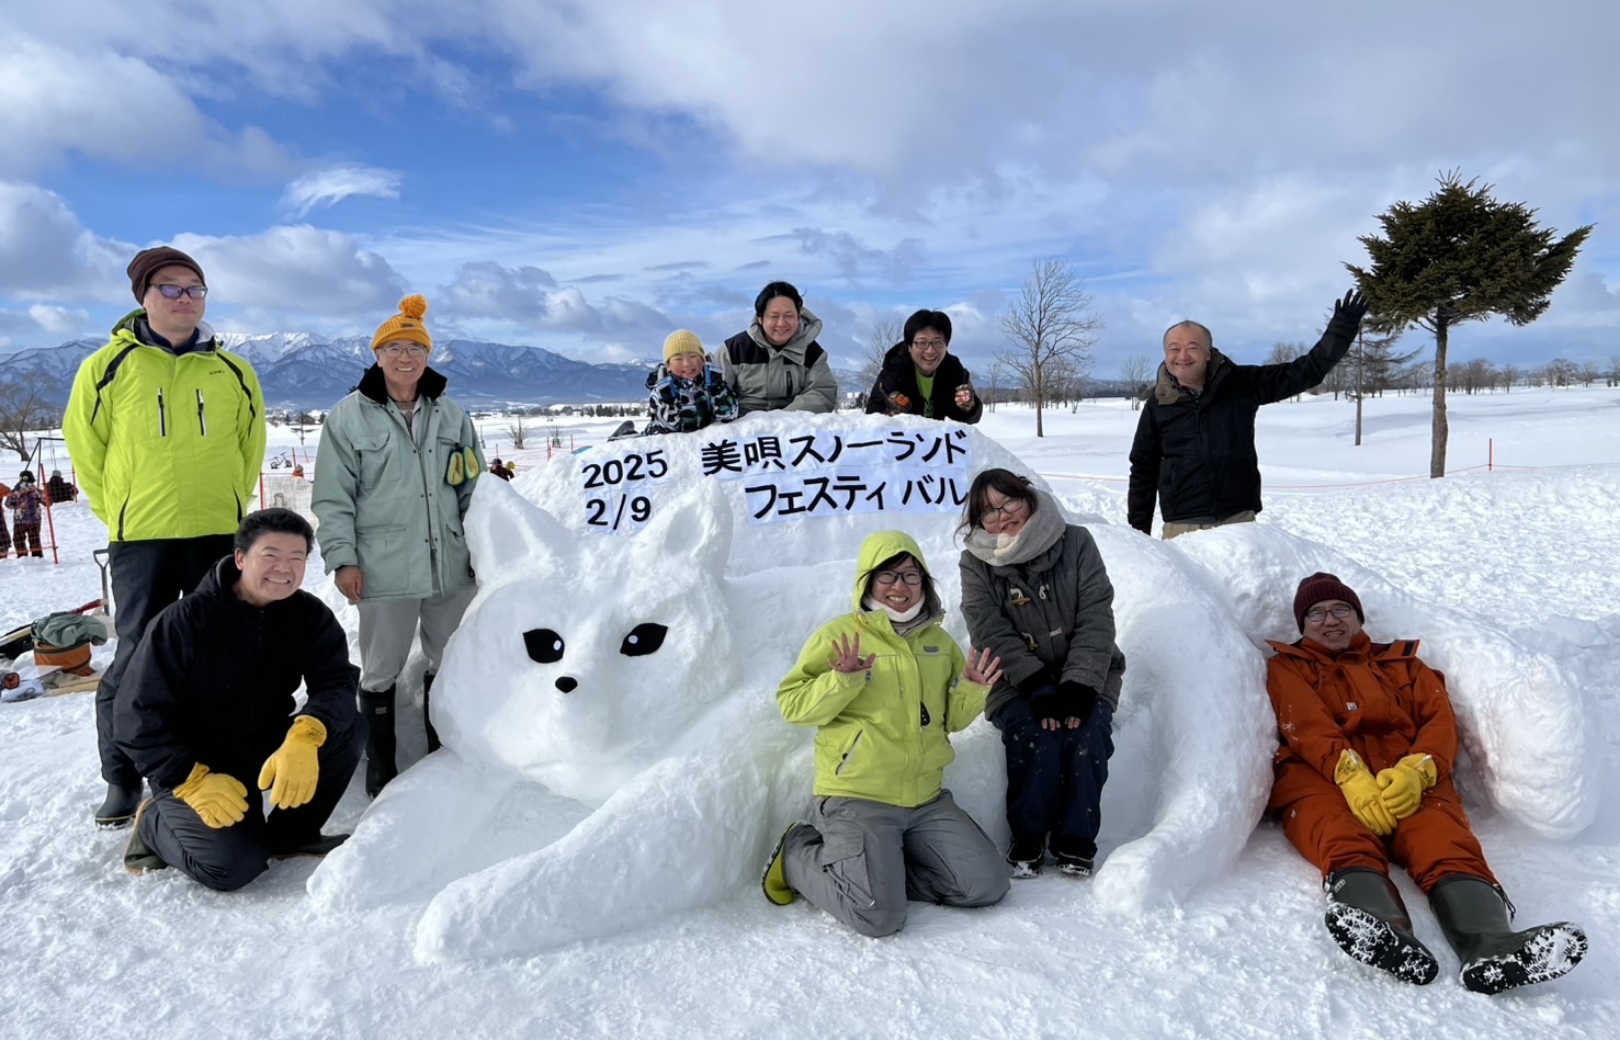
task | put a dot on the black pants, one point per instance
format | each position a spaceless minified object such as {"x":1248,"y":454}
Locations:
{"x":146,"y":577}
{"x":229,"y":857}
{"x":27,"y":538}
{"x":1055,"y":777}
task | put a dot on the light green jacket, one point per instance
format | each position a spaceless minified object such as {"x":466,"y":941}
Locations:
{"x":384,"y":504}
{"x":165,"y":446}
{"x":882,"y":733}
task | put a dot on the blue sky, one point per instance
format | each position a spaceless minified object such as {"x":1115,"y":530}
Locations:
{"x":589,"y":177}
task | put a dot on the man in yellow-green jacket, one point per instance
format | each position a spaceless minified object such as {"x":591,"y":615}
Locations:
{"x":166,"y":432}
{"x":885,"y":686}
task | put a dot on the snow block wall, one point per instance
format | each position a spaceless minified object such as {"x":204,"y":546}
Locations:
{"x":613,"y":753}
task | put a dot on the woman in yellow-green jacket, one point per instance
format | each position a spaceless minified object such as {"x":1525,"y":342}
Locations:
{"x":885,"y":686}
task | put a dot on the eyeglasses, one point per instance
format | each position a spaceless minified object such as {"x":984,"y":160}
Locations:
{"x":896,"y":577}
{"x":394,"y":350}
{"x":1317,"y":615}
{"x":928,"y":344}
{"x":1006,"y":510}
{"x":174,"y":292}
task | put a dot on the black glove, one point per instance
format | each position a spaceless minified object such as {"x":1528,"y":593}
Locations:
{"x":1351,"y":309}
{"x":1047,"y":703}
{"x":1078,"y":700}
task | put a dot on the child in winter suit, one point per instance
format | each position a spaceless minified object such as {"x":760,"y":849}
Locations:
{"x":685,"y":392}
{"x":25,"y":502}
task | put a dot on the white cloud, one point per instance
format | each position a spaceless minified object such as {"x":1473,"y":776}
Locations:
{"x":46,"y":254}
{"x":296,"y":270}
{"x":59,"y":321}
{"x":57,"y":101}
{"x":329,"y":186}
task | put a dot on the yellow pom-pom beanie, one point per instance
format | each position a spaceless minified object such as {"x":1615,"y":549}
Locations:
{"x":406,"y":325}
{"x":682,"y":342}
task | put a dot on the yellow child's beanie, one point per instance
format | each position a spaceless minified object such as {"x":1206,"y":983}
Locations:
{"x":682,"y":342}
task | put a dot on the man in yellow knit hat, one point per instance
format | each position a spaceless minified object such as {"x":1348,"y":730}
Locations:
{"x":393,"y":478}
{"x":166,"y":431}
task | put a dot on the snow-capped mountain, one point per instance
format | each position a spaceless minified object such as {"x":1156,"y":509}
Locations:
{"x":299,"y":370}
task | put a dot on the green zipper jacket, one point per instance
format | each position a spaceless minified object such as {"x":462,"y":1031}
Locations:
{"x":166,"y":446}
{"x":383,"y":499}
{"x":883,"y":733}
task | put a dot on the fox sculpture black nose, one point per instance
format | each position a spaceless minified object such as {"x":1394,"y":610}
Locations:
{"x":567,"y":684}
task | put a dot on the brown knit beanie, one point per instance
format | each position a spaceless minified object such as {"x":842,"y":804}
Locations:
{"x":149,"y":262}
{"x":1323,"y":586}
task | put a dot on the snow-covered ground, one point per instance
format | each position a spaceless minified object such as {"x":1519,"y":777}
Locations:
{"x":1198,"y":924}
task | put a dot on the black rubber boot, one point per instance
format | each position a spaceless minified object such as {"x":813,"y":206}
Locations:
{"x":1474,"y":917}
{"x":427,"y":717}
{"x":1367,"y":919}
{"x":378,"y":708}
{"x":120,"y":806}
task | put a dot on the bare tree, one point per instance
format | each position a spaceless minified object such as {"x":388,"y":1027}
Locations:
{"x":26,"y":406}
{"x":885,"y":334}
{"x":1134,"y":373}
{"x":518,"y":431}
{"x":998,"y":368}
{"x":1590,"y":373}
{"x":1048,"y":325}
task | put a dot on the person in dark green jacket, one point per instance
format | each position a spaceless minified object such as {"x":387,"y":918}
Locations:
{"x":166,"y":431}
{"x":394,"y":476}
{"x":884,"y":687}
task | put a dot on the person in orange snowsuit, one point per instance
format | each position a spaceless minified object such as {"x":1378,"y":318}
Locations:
{"x":1363,"y":780}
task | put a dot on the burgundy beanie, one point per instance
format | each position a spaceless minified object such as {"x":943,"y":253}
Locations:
{"x":1320,"y":587}
{"x":150,"y":261}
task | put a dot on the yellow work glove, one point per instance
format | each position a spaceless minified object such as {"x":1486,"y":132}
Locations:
{"x":295,"y":767}
{"x":463,"y":467}
{"x":220,"y":799}
{"x":1361,"y":791}
{"x":1404,"y":783}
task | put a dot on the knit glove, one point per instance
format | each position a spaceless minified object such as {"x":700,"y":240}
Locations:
{"x":1404,"y":782}
{"x":1079,"y":698}
{"x":1361,"y":791}
{"x":1047,"y":703}
{"x":295,"y":767}
{"x":218,"y":798}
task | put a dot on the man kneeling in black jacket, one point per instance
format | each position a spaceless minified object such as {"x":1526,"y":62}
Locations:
{"x":207,"y":706}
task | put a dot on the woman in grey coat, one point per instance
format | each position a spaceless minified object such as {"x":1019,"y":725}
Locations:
{"x":1036,"y":593}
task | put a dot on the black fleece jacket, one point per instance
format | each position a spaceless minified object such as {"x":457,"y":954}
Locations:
{"x":213,"y":681}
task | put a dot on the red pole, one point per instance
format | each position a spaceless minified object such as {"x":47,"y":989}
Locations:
{"x":56,"y":557}
{"x":261,"y":489}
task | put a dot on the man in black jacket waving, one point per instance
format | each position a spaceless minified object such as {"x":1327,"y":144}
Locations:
{"x":207,"y":708}
{"x":1194,"y":447}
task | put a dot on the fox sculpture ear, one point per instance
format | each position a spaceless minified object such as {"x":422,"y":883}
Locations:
{"x":503,"y":528}
{"x":692,"y":532}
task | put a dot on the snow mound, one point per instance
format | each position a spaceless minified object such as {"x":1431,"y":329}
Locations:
{"x":613,"y":750}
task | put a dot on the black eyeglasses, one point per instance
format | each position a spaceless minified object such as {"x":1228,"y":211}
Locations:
{"x":174,"y":292}
{"x":1317,"y":615}
{"x":1004,"y":511}
{"x":895,"y":577}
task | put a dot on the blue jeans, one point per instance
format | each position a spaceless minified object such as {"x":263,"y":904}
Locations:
{"x":1055,"y":777}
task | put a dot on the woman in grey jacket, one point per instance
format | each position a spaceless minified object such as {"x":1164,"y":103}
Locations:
{"x":1036,"y":593}
{"x":393,"y":479}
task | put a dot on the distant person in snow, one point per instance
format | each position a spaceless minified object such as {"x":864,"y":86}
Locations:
{"x":1194,"y":448}
{"x":1363,"y":780}
{"x":166,"y":431}
{"x":921,"y":377}
{"x":5,"y":535}
{"x":884,"y":687}
{"x":1036,"y":593}
{"x":207,"y":708}
{"x":59,"y":490}
{"x":393,"y":479}
{"x":685,"y":392}
{"x":25,"y":502}
{"x":777,"y":363}
{"x":498,"y":469}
